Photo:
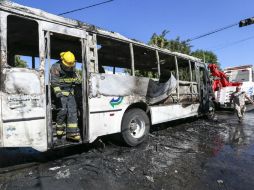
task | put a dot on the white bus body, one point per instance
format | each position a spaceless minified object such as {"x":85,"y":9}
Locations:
{"x":172,"y":85}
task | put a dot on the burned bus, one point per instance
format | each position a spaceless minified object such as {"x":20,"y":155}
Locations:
{"x":127,"y":86}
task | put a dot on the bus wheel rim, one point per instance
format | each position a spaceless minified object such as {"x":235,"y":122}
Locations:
{"x":137,"y":127}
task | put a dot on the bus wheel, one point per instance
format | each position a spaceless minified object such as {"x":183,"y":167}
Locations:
{"x":135,"y":127}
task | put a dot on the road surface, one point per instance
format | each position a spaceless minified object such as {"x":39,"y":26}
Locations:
{"x":187,"y":154}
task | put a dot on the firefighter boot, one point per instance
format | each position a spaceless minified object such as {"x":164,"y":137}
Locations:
{"x":73,"y":132}
{"x":73,"y":137}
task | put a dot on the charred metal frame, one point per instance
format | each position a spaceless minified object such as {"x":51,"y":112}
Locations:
{"x":158,"y":63}
{"x":85,"y":89}
{"x":177,"y":78}
{"x":49,"y":103}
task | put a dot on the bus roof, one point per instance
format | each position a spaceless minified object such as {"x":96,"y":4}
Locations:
{"x":38,"y":14}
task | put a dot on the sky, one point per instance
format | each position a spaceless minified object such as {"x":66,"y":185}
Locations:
{"x":139,"y":19}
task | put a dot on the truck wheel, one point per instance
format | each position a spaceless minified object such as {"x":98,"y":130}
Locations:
{"x":135,"y":127}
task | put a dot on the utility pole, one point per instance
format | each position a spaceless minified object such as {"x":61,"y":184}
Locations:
{"x":246,"y":22}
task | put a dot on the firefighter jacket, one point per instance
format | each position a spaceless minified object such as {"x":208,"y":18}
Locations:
{"x":63,"y":81}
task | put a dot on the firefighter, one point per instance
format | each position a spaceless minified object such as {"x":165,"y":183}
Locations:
{"x":63,"y":80}
{"x":238,"y":98}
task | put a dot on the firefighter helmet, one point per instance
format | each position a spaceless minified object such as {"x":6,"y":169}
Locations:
{"x":68,"y":59}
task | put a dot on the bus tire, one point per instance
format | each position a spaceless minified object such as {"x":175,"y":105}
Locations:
{"x":135,"y":127}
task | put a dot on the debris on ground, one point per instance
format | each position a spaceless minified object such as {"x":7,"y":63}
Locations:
{"x":188,"y":154}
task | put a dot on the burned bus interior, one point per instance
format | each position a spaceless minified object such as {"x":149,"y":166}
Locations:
{"x":113,"y":56}
{"x":116,"y":57}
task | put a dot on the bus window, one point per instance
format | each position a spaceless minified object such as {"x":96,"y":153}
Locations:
{"x":145,"y":62}
{"x":22,"y":43}
{"x":183,"y":69}
{"x":113,"y":56}
{"x":193,"y":71}
{"x":167,"y":67}
{"x":194,"y":86}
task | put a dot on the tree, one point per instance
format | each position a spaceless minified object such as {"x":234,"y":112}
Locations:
{"x":180,"y":46}
{"x":19,"y":62}
{"x":206,"y":56}
{"x":185,"y":47}
{"x":159,"y":40}
{"x":173,"y":45}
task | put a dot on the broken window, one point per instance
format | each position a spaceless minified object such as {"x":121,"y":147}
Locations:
{"x":113,"y":56}
{"x":183,"y":69}
{"x":167,"y":67}
{"x":22,"y":43}
{"x":145,"y":62}
{"x":193,"y":71}
{"x":202,"y":77}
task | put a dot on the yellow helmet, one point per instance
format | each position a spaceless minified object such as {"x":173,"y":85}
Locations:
{"x":68,"y":58}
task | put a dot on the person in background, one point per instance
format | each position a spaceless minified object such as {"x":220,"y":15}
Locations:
{"x":238,"y":97}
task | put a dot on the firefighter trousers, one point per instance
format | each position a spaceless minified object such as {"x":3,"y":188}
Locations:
{"x":67,"y":111}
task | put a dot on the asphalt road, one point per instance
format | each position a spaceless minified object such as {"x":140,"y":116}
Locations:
{"x":187,"y":154}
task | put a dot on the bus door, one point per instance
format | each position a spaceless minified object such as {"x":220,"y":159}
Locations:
{"x":23,"y":93}
{"x":61,"y":39}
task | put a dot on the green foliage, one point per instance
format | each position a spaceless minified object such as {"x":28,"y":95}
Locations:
{"x":148,"y":74}
{"x":142,"y":73}
{"x":19,"y":62}
{"x":160,"y":40}
{"x":180,"y":46}
{"x":177,"y":45}
{"x":173,"y":45}
{"x":206,"y":56}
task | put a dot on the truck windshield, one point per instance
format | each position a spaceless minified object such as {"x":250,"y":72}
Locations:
{"x":238,"y":75}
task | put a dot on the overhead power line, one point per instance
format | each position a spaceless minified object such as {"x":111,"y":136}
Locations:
{"x":234,"y":43}
{"x":212,"y":32}
{"x":90,"y":6}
